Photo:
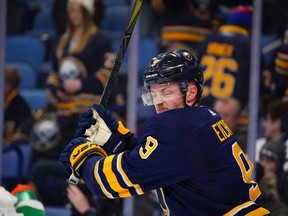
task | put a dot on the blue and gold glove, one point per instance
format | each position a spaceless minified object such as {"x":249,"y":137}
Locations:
{"x":74,"y":155}
{"x":98,"y":133}
{"x":99,"y":126}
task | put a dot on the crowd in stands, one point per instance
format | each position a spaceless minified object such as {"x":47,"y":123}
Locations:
{"x":79,"y":55}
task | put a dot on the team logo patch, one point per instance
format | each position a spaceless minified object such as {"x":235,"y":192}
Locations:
{"x":187,"y":56}
{"x":154,"y":62}
{"x":45,"y":135}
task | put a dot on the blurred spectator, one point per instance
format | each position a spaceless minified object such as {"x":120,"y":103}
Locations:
{"x":273,"y":182}
{"x":280,"y":73}
{"x":230,"y":110}
{"x":225,"y":55}
{"x":59,"y":14}
{"x":81,"y":63}
{"x":276,"y":75}
{"x":85,"y":204}
{"x":275,"y":127}
{"x":79,"y":71}
{"x":18,"y":117}
{"x":185,"y":23}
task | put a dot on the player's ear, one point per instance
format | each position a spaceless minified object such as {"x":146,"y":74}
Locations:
{"x":191,"y":94}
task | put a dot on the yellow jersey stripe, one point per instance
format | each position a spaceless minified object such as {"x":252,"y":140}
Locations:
{"x":112,"y":179}
{"x":258,"y":212}
{"x":164,"y":208}
{"x":125,"y":177}
{"x":9,"y":98}
{"x":71,"y":104}
{"x":239,"y":208}
{"x":98,"y":179}
{"x":281,"y":63}
{"x":182,"y":36}
{"x":234,"y":28}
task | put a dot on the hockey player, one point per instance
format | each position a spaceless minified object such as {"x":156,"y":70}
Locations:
{"x":225,"y":55}
{"x":186,"y":152}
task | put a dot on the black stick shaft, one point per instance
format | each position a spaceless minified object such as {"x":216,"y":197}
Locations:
{"x":120,"y":55}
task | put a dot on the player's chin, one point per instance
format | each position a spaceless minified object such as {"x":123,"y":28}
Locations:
{"x":161,"y":110}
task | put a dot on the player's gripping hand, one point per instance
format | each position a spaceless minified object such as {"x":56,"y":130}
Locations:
{"x":106,"y":132}
{"x":86,"y":121}
{"x":74,"y":155}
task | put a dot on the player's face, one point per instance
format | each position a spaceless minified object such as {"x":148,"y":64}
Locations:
{"x":166,"y":97}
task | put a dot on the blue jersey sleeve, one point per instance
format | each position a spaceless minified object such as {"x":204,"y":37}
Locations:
{"x":153,"y":163}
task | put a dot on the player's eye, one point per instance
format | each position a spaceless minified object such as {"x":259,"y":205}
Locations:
{"x":154,"y":95}
{"x":167,"y":93}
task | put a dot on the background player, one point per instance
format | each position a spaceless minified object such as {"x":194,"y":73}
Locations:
{"x":225,"y":55}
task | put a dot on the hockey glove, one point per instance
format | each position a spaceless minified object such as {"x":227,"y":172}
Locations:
{"x":106,"y":132}
{"x":74,"y":155}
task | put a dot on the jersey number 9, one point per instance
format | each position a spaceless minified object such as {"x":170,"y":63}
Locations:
{"x":246,"y":168}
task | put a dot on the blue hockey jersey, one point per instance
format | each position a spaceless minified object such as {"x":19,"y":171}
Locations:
{"x":225,"y":55}
{"x":190,"y":157}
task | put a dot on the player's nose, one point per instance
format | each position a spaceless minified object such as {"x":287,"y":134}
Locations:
{"x":158,"y":100}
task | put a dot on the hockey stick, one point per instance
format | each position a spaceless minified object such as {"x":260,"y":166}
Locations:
{"x":121,"y":52}
{"x":115,"y":69}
